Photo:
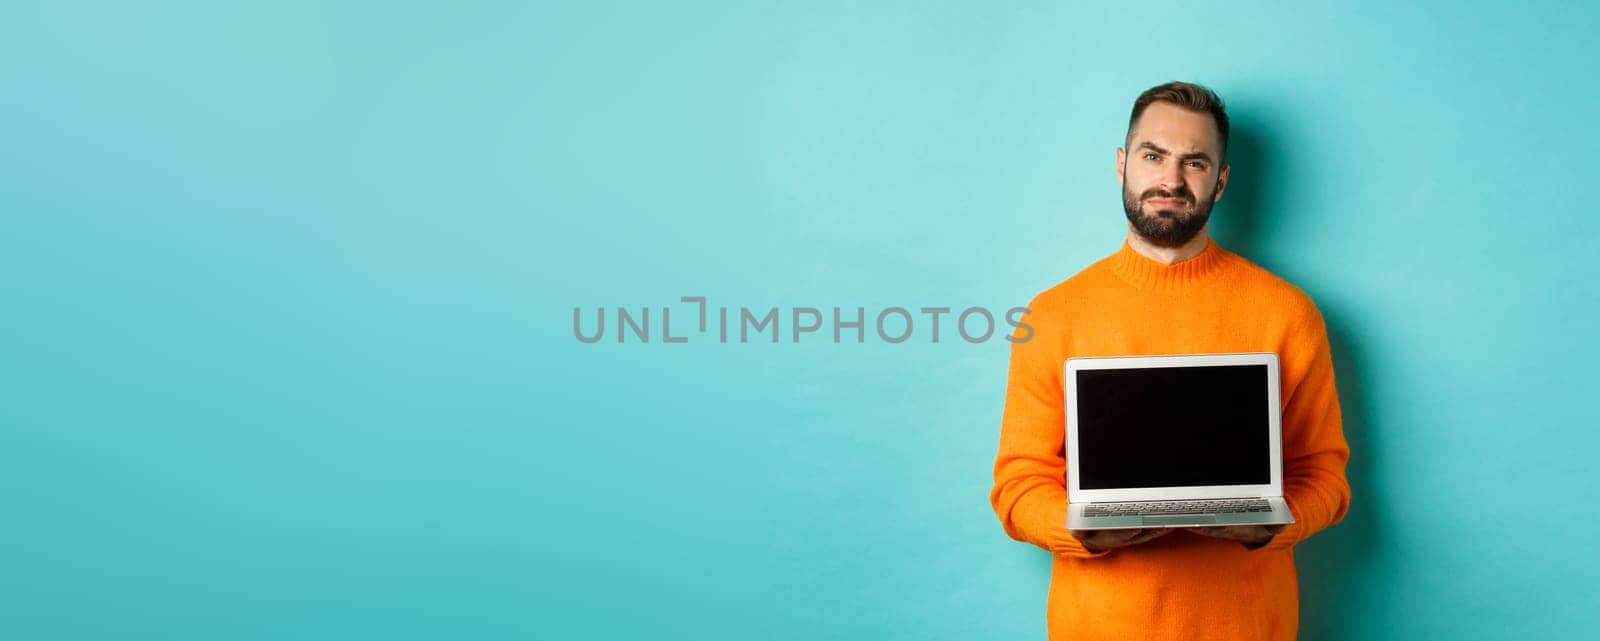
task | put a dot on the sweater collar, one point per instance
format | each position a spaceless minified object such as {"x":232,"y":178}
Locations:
{"x":1149,"y":274}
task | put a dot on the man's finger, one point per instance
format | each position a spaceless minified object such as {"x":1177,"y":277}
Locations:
{"x":1147,"y":535}
{"x":1119,"y":537}
{"x":1113,"y":537}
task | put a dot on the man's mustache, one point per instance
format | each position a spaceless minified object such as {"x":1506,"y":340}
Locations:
{"x":1161,"y":193}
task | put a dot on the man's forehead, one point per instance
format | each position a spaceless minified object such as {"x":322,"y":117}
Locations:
{"x":1174,"y":129}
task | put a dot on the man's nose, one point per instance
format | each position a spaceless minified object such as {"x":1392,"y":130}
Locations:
{"x":1172,"y":178}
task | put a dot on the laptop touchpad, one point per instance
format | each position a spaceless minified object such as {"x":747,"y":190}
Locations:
{"x":1180,"y":519}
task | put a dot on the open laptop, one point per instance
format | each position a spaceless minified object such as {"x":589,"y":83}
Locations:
{"x":1174,"y":441}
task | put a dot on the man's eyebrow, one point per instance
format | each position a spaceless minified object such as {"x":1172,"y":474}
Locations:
{"x":1152,"y":146}
{"x":1198,"y":154}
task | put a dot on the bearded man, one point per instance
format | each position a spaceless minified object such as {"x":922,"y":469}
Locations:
{"x":1170,"y":290}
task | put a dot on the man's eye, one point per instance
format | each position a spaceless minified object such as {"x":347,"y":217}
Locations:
{"x":1197,"y":164}
{"x":1150,"y":156}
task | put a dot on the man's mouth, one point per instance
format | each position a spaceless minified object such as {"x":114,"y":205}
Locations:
{"x":1168,"y":202}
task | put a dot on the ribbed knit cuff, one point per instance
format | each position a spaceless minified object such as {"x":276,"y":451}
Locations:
{"x":1067,"y":545}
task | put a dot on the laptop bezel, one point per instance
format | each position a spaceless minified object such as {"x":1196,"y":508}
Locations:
{"x":1075,"y":492}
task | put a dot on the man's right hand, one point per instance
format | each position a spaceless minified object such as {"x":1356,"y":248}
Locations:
{"x":1102,"y":540}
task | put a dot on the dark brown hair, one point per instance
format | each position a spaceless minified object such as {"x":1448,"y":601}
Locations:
{"x":1189,"y":96}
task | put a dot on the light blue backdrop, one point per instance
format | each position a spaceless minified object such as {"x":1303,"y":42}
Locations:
{"x":288,"y":294}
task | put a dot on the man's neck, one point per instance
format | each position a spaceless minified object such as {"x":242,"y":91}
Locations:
{"x":1168,"y":255}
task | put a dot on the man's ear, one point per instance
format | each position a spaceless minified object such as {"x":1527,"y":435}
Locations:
{"x":1222,"y":182}
{"x":1122,"y":159}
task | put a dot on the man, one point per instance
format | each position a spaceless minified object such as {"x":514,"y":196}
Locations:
{"x":1170,"y":290}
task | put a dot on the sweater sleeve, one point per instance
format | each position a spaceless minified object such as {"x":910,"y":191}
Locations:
{"x":1314,"y":447}
{"x":1030,"y":491}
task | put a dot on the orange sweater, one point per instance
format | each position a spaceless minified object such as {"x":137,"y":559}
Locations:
{"x":1182,"y":585}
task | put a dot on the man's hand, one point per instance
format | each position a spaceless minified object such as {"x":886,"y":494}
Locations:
{"x":1252,"y":536}
{"x":1102,"y":540}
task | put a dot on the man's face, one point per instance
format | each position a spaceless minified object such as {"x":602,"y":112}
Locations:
{"x":1171,"y":173}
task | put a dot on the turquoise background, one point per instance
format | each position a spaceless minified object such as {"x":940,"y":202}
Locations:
{"x":288,"y":293}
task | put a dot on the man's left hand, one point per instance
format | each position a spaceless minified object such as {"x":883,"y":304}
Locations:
{"x":1252,"y":536}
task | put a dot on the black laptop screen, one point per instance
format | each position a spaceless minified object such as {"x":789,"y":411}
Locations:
{"x":1173,"y":426}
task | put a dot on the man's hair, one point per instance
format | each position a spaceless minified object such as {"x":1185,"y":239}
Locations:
{"x":1189,"y":96}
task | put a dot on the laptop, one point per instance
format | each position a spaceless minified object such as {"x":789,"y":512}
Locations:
{"x":1188,"y":440}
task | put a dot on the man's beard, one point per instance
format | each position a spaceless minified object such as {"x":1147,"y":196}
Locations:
{"x":1167,"y":227}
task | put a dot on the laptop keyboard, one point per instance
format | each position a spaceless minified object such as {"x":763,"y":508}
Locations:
{"x":1210,"y":506}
